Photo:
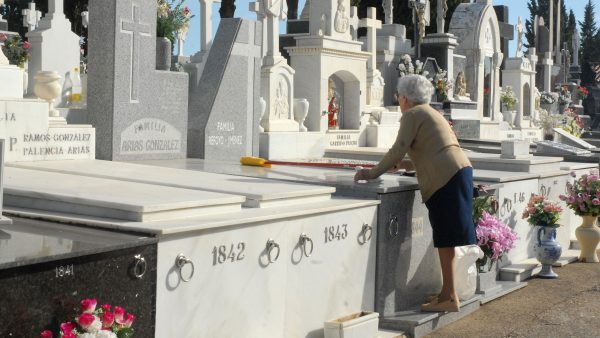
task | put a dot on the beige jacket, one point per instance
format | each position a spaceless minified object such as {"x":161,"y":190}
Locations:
{"x":432,"y":147}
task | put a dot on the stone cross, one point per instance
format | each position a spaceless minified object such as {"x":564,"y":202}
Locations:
{"x":575,"y":44}
{"x":551,"y":27}
{"x":442,"y":9}
{"x":205,"y":23}
{"x":274,"y":10}
{"x":56,"y":7}
{"x":371,"y":23}
{"x":519,"y":28}
{"x":31,"y":17}
{"x":85,"y":18}
{"x":137,"y":30}
{"x":257,"y":8}
{"x":388,"y":8}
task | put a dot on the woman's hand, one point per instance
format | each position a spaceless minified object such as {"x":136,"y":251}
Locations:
{"x":361,"y":175}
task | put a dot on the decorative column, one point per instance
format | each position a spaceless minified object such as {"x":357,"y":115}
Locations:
{"x":375,"y":82}
{"x":557,"y":58}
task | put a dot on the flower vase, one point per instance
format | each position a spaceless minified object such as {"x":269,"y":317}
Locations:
{"x":47,"y":87}
{"x":163,"y":53}
{"x":509,"y":116}
{"x":487,"y":276}
{"x":547,"y":250}
{"x":588,"y":235}
{"x":300,"y":112}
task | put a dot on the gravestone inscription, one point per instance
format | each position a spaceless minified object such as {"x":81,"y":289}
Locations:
{"x":139,"y":112}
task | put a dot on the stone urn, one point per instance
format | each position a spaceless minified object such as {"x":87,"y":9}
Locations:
{"x":509,"y":117}
{"x":300,"y":112}
{"x":588,"y":235}
{"x":163,"y":53}
{"x":487,"y":275}
{"x":48,"y":88}
{"x":547,"y":250}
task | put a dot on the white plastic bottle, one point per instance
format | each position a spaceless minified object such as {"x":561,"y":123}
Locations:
{"x":76,"y":91}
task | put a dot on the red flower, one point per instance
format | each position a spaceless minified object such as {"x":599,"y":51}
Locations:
{"x":119,"y":314}
{"x":128,"y":320}
{"x":89,"y":305}
{"x":108,"y":318}
{"x":67,"y":327}
{"x":46,"y":334}
{"x":26,"y":45}
{"x":69,"y":335}
{"x":106,"y":307}
{"x":3,"y":38}
{"x":86,"y":319}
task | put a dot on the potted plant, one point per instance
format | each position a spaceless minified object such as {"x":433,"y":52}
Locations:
{"x":103,"y":322}
{"x":547,"y":122}
{"x":572,"y":123}
{"x":509,"y":100}
{"x":544,"y":215}
{"x":494,"y":237}
{"x":581,"y":93}
{"x":172,"y":17}
{"x":443,"y":86}
{"x":583,"y":197}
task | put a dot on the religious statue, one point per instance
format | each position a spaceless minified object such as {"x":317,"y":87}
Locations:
{"x":421,"y":23}
{"x":519,"y":28}
{"x":282,"y":108}
{"x":537,"y":97}
{"x":388,"y":8}
{"x":342,"y":21}
{"x":442,"y":10}
{"x":276,"y":8}
{"x":575,"y":44}
{"x":461,"y":87}
{"x":181,"y":36}
{"x":333,"y":107}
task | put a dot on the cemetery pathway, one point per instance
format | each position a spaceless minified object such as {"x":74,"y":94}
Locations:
{"x":567,"y":307}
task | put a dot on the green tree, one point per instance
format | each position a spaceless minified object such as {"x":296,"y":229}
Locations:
{"x":589,"y":38}
{"x":529,"y":42}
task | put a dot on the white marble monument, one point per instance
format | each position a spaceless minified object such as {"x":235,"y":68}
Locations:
{"x":31,"y":17}
{"x":54,"y":47}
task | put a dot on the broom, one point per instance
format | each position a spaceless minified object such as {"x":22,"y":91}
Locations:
{"x":261,"y":162}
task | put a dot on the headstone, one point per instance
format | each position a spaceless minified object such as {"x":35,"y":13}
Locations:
{"x":563,"y":136}
{"x":138,"y":112}
{"x":519,"y":74}
{"x":391,"y":46}
{"x":225,"y":108}
{"x":197,"y":61}
{"x":557,"y":148}
{"x":31,"y":17}
{"x":54,"y":47}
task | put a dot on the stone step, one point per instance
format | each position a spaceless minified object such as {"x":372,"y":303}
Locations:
{"x":391,"y":334}
{"x":418,"y":324}
{"x":528,"y":268}
{"x":505,"y":287}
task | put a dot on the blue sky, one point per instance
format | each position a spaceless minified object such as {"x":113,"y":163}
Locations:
{"x":516,"y":8}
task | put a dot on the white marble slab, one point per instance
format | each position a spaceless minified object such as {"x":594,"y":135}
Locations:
{"x":258,"y":192}
{"x":501,"y":176}
{"x":241,"y":217}
{"x":577,"y":165}
{"x":339,"y":178}
{"x":35,"y":189}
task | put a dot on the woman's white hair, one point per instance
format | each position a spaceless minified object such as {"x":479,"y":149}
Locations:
{"x":416,"y":88}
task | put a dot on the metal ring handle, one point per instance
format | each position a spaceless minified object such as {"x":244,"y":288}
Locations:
{"x":394,"y":220}
{"x":367,"y":228}
{"x":270,"y":246}
{"x":140,"y":266}
{"x":181,"y":261}
{"x":303,"y":240}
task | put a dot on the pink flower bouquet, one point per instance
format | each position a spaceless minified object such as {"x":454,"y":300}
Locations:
{"x":93,"y":322}
{"x":495,"y":238}
{"x":542,"y":212}
{"x":583,"y":196}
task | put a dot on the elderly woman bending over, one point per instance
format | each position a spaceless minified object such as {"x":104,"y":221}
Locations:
{"x":444,"y":174}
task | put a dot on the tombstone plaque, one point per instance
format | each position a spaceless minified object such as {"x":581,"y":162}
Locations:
{"x":138,"y":112}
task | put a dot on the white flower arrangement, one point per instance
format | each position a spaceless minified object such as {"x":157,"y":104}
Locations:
{"x":406,"y":67}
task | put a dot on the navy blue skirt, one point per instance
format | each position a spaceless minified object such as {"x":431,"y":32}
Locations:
{"x":451,"y":211}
